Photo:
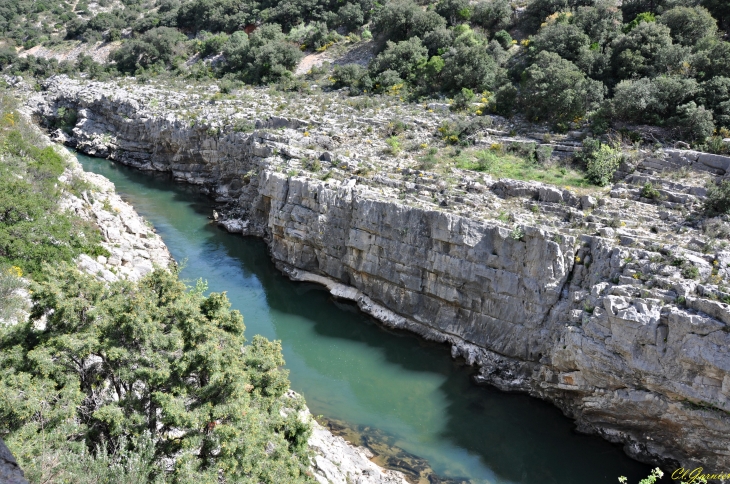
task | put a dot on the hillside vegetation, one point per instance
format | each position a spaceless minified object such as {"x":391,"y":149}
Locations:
{"x":565,"y":62}
{"x":128,"y":382}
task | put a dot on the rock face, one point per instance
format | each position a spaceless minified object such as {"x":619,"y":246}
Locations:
{"x":10,"y":472}
{"x":338,"y":462}
{"x":134,"y":248}
{"x":571,"y":299}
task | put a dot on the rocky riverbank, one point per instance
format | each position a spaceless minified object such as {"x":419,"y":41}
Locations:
{"x":610,"y":303}
{"x":135,"y":250}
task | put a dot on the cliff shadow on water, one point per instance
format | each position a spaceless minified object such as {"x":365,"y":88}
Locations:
{"x":404,"y":398}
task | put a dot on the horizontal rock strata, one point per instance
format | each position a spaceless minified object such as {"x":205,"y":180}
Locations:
{"x":611,"y":308}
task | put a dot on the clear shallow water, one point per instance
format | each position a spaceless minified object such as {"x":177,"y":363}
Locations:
{"x":350,"y":369}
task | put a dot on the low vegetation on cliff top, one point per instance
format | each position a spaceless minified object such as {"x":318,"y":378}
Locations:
{"x":124,"y":382}
{"x":565,"y":62}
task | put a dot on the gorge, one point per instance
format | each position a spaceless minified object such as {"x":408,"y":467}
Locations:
{"x":539,"y":307}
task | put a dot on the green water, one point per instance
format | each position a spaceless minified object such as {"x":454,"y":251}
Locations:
{"x":350,"y":369}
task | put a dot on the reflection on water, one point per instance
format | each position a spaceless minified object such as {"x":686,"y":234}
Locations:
{"x":392,"y":392}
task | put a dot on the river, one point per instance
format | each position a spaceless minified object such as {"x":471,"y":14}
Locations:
{"x":383,"y":387}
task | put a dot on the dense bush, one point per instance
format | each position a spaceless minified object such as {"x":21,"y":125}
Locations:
{"x":555,"y":89}
{"x":125,"y":382}
{"x":402,"y":19}
{"x":265,"y":56}
{"x":601,"y":161}
{"x":689,"y":25}
{"x":492,"y":14}
{"x":402,"y":57}
{"x":718,"y":198}
{"x":152,"y":369}
{"x":468,"y":66}
{"x":159,"y":45}
{"x":670,"y":51}
{"x":31,"y":228}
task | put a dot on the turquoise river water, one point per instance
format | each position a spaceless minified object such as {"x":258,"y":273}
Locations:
{"x":351,"y":370}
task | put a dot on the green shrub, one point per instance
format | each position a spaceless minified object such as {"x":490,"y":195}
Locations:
{"x":543,"y":153}
{"x":402,"y":57}
{"x":149,"y":359}
{"x":31,"y":228}
{"x":66,"y":119}
{"x":650,"y":192}
{"x":505,"y":100}
{"x":689,"y":24}
{"x":565,"y":39}
{"x":11,"y":301}
{"x":693,"y":121}
{"x":690,"y":272}
{"x":601,"y":161}
{"x":351,"y":16}
{"x":402,"y":19}
{"x":555,"y":89}
{"x":504,"y":39}
{"x":393,"y":145}
{"x":468,"y":66}
{"x":493,"y":14}
{"x":718,"y":198}
{"x":264,"y":57}
{"x":640,"y":53}
{"x":454,"y":11}
{"x":647,"y":17}
{"x":463,"y":99}
{"x":160,"y":44}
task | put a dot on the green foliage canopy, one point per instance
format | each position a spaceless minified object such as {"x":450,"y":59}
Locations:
{"x":149,"y":363}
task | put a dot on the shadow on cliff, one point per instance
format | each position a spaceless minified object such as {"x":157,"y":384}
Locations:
{"x":520,"y":439}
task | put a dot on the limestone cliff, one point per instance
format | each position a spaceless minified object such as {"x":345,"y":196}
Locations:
{"x":610,"y":308}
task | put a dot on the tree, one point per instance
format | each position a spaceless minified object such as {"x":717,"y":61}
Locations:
{"x":637,"y":53}
{"x":402,"y":57}
{"x":350,"y":16}
{"x":555,"y":89}
{"x":652,"y":101}
{"x":693,"y":121}
{"x":566,"y":40}
{"x":263,"y":57}
{"x":160,"y":44}
{"x":402,"y":19}
{"x":468,"y":66}
{"x":715,"y":95}
{"x":236,"y":51}
{"x":689,"y":25}
{"x":438,"y":41}
{"x":155,"y":361}
{"x":601,"y":161}
{"x":492,"y":14}
{"x":720,"y":9}
{"x":7,"y":56}
{"x":602,"y":22}
{"x":539,"y":10}
{"x":718,"y":198}
{"x":712,"y":59}
{"x":504,"y":39}
{"x":454,"y":11}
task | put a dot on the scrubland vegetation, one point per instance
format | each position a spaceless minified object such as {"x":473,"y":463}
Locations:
{"x":564,"y":62}
{"x":128,"y":382}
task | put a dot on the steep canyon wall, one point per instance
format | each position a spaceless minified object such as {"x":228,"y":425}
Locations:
{"x":563,"y":315}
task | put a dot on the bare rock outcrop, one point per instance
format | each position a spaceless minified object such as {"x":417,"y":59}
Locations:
{"x":10,"y":471}
{"x":610,"y":306}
